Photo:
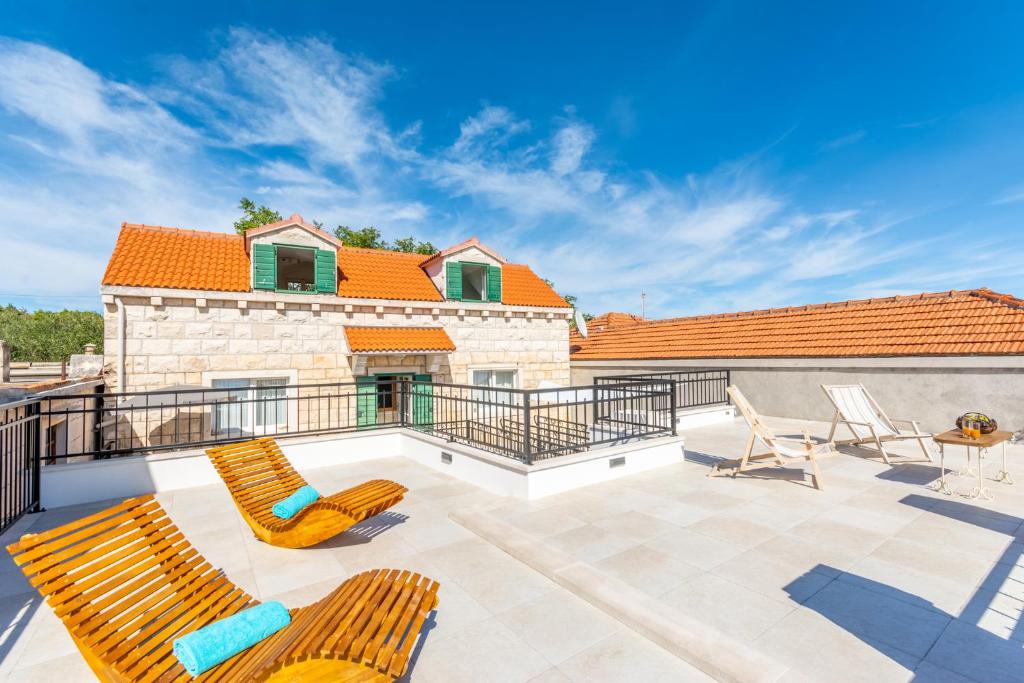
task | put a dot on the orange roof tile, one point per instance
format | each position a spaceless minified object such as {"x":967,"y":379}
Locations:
{"x":404,"y":339}
{"x":380,"y":274}
{"x":520,"y":286}
{"x":605,"y":321}
{"x":152,"y":256}
{"x":971,"y":322}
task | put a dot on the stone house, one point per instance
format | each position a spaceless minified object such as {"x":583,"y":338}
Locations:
{"x":287,"y":304}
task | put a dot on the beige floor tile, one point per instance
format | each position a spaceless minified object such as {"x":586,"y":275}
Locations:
{"x":696,"y":549}
{"x":648,"y":569}
{"x":559,"y":625}
{"x":727,"y":606}
{"x":487,"y":651}
{"x":590,"y":543}
{"x":626,"y":656}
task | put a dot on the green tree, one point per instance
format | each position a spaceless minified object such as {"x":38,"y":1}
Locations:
{"x":49,"y":335}
{"x":411,"y":245}
{"x":254,"y":216}
{"x":367,"y":238}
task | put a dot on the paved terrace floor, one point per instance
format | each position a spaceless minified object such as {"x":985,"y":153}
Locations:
{"x":873,"y":579}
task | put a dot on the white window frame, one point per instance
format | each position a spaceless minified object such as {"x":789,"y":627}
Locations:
{"x":290,"y":377}
{"x":484,"y":411}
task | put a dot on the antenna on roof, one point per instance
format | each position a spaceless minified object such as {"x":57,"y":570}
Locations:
{"x":581,"y":324}
{"x":643,"y":305}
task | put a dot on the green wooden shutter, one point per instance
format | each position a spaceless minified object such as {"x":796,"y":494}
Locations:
{"x":366,"y":401}
{"x":494,"y":283}
{"x":326,"y":271}
{"x":264,"y":266}
{"x":453,"y":280}
{"x":422,"y":403}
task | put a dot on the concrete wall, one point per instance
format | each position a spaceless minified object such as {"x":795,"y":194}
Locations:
{"x":932,"y":391}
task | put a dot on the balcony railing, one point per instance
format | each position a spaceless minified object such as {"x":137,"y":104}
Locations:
{"x":693,"y":388}
{"x":524,"y":425}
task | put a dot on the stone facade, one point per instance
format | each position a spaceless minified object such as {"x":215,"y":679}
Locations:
{"x":177,"y":340}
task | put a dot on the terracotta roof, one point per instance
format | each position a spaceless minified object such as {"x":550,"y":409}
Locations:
{"x":520,"y":286}
{"x":970,"y":322}
{"x":404,"y":339}
{"x":380,"y":274}
{"x":606,"y":321}
{"x":152,"y":256}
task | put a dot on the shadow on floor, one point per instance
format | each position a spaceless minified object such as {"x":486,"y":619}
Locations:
{"x":914,"y":474}
{"x":909,"y":629}
{"x":365,"y":531}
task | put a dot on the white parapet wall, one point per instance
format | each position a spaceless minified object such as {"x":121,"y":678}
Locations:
{"x":86,"y":482}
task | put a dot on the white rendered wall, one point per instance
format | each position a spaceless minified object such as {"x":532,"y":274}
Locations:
{"x":87,"y":482}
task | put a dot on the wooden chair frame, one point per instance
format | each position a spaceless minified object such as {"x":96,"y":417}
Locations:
{"x":126,"y":583}
{"x":781,"y":451}
{"x":874,"y":436}
{"x":258,"y":475}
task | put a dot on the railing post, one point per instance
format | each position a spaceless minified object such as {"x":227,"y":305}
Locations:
{"x":527,"y":450}
{"x":404,"y":401}
{"x":728,"y":382}
{"x":673,"y":405}
{"x":34,"y":435}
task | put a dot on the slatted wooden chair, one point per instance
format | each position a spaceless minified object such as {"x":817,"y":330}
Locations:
{"x":125,"y":582}
{"x":781,"y":450}
{"x":258,"y":475}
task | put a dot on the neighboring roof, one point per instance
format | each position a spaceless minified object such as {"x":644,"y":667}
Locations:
{"x":520,"y":286}
{"x":471,"y":242}
{"x":606,"y":321}
{"x":970,"y":322}
{"x":293,"y":221}
{"x":152,"y":256}
{"x":395,"y":339}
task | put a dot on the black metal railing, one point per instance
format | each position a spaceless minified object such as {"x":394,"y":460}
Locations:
{"x":527,"y":425}
{"x":19,"y":460}
{"x":693,"y":388}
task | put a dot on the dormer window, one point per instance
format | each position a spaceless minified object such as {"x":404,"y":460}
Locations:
{"x":474,"y":281}
{"x":295,"y":269}
{"x":467,"y":281}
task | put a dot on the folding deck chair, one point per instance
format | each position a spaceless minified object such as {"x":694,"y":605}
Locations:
{"x":126,"y":583}
{"x":866,"y":420}
{"x":258,"y":475}
{"x":781,"y":450}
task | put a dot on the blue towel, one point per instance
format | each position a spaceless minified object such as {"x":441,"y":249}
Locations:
{"x":220,"y":641}
{"x":290,"y":506}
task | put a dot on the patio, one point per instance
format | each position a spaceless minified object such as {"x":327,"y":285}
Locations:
{"x":874,"y":578}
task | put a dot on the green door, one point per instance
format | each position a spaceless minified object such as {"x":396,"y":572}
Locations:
{"x":366,"y":401}
{"x":422,"y":403}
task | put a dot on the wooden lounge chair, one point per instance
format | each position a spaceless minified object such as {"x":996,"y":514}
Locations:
{"x":781,"y":450}
{"x":125,"y":582}
{"x":866,"y":420}
{"x":258,"y":475}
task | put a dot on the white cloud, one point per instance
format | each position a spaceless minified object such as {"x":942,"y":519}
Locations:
{"x":297,"y":124}
{"x":843,"y":141}
{"x":570,"y":144}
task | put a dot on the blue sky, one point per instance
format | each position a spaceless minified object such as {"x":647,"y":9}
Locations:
{"x":717,"y":156}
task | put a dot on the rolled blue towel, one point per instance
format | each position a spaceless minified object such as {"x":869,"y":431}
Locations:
{"x":214,"y":643}
{"x":290,"y":506}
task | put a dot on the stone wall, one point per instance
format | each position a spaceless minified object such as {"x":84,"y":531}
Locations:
{"x":187,"y":341}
